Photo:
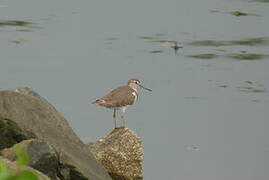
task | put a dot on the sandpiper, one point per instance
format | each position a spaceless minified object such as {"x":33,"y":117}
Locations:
{"x":121,"y":98}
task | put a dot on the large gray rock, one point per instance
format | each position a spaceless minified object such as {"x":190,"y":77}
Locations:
{"x":121,"y":153}
{"x":11,"y":133}
{"x":32,"y":116}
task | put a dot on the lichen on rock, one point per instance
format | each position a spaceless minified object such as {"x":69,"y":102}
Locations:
{"x":121,"y":153}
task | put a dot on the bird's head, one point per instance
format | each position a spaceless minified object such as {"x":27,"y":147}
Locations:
{"x":136,"y":84}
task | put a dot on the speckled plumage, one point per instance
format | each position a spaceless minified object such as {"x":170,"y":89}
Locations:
{"x":119,"y":97}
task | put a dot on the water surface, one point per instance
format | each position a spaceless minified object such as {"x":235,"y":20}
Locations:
{"x":207,"y":117}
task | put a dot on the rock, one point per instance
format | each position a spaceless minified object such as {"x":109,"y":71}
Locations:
{"x":121,"y":153}
{"x":42,"y":157}
{"x":11,"y":133}
{"x":32,"y":116}
{"x":12,"y":166}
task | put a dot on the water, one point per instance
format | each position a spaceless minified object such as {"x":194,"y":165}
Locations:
{"x":207,"y":117}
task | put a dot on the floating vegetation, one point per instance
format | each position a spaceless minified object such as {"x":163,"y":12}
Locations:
{"x":259,"y":90}
{"x":203,"y":56}
{"x":14,"y":23}
{"x":241,"y":55}
{"x":160,"y":34}
{"x":235,"y":13}
{"x":239,"y":13}
{"x":156,"y":51}
{"x":243,"y":42}
{"x":224,"y":86}
{"x":252,"y":89}
{"x":148,"y":37}
{"x":247,"y":56}
{"x":193,"y":148}
{"x":18,"y":26}
{"x":24,"y":30}
{"x":247,"y":86}
{"x":252,"y":41}
{"x":215,"y":11}
{"x":111,"y":39}
{"x":261,"y":1}
{"x":194,"y":98}
{"x":221,"y":50}
{"x":249,"y":82}
{"x":16,"y":41}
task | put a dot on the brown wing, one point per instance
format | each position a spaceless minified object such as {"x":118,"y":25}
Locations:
{"x":118,"y":97}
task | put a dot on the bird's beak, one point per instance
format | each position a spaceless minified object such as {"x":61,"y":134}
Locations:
{"x":144,"y":87}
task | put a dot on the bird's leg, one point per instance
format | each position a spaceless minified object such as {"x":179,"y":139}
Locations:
{"x":123,"y":119}
{"x":123,"y":116}
{"x":114,"y":118}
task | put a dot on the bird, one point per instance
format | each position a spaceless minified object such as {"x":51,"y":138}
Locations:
{"x":171,"y":44}
{"x":121,"y":98}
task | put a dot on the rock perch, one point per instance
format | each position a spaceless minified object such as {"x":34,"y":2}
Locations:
{"x":121,"y":153}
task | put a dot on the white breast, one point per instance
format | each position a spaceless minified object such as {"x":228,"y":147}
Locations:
{"x":135,"y":95}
